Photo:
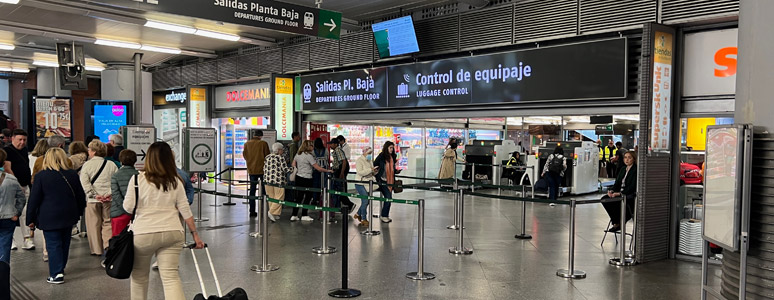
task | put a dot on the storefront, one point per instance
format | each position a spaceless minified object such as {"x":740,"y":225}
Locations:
{"x":707,"y":97}
{"x":169,"y":118}
{"x":237,"y":109}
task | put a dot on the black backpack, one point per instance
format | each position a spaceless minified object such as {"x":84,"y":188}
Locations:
{"x":557,"y":164}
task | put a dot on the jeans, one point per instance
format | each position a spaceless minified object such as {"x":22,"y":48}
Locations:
{"x":363,"y":211}
{"x":386,"y":193}
{"x":58,"y":246}
{"x":7,"y":228}
{"x":253,"y":186}
{"x":554,"y":179}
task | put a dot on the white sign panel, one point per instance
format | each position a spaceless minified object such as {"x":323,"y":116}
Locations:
{"x":710,"y":63}
{"x":200,"y":149}
{"x":241,"y":96}
{"x":138,"y":138}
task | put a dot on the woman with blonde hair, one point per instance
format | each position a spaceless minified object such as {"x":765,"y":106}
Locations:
{"x":306,"y":164}
{"x":95,"y":179}
{"x":79,"y":154}
{"x":40,"y":149}
{"x":159,"y":197}
{"x":56,"y":202}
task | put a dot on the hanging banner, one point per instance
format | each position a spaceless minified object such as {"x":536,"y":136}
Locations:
{"x":282,"y":106}
{"x":197,"y":107}
{"x":661,"y":97}
{"x":52,"y":117}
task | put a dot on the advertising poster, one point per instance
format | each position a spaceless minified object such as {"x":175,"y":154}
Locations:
{"x":283,"y":107}
{"x":52,"y":117}
{"x":108,"y":119}
{"x":662,"y":91}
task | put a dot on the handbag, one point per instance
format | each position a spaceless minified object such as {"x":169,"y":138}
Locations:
{"x":119,"y":259}
{"x":293,"y":174}
{"x":397,"y":186}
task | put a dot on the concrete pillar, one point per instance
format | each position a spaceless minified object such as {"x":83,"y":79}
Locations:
{"x":48,"y":83}
{"x":118,"y":84}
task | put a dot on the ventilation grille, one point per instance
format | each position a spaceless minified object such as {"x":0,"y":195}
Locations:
{"x":443,"y":10}
{"x":653,"y":208}
{"x":676,"y":11}
{"x":357,"y":48}
{"x":167,"y":78}
{"x":438,"y":35}
{"x":324,"y":54}
{"x":634,"y":63}
{"x":544,"y":19}
{"x":271,"y":61}
{"x":296,"y":58}
{"x":248,"y":65}
{"x":189,"y":75}
{"x":208,"y":72}
{"x":612,"y":15}
{"x":227,"y":68}
{"x":486,"y":27}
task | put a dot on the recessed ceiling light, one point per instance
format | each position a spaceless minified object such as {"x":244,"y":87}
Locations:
{"x":95,"y":68}
{"x":7,"y":46}
{"x":170,"y":27}
{"x":10,"y":1}
{"x":44,"y":63}
{"x":20,"y":70}
{"x":119,"y":44}
{"x":217,"y":35}
{"x":160,"y":49}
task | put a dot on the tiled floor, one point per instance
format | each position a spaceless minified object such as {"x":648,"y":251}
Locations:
{"x":500,"y":267}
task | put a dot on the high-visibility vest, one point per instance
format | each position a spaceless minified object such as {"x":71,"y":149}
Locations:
{"x":604,"y":153}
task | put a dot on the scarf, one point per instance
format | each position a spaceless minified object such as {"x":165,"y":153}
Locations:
{"x":389,"y":171}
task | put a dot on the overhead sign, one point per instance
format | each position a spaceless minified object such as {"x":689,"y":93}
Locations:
{"x":661,"y":98}
{"x":138,"y":138}
{"x":709,"y":66}
{"x":170,"y":97}
{"x":282,"y":105}
{"x":199,"y":151}
{"x":267,"y":14}
{"x":591,"y":70}
{"x":242,"y":96}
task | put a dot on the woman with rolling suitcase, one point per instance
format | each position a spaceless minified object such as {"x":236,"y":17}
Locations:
{"x":157,"y":228}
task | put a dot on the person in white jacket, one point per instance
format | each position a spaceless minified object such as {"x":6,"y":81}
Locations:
{"x":365,"y":172}
{"x":95,"y":179}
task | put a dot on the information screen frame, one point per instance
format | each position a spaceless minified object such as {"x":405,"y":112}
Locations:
{"x":385,"y":41}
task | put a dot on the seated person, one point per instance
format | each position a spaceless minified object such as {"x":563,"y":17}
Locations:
{"x":514,"y":174}
{"x":625,"y":185}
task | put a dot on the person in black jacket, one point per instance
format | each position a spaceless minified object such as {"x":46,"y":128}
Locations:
{"x":625,"y":185}
{"x":386,"y":168}
{"x":56,"y":203}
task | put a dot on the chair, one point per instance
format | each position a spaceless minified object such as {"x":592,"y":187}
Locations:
{"x":615,"y":234}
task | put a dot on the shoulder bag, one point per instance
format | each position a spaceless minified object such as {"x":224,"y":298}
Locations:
{"x":119,"y":259}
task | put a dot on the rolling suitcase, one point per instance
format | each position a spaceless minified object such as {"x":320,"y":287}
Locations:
{"x":235,"y":294}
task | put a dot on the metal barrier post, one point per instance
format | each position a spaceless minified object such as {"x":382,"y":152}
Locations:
{"x":571,"y":272}
{"x":215,"y":203}
{"x":229,"y":203}
{"x":473,"y":178}
{"x":420,"y":274}
{"x":344,"y":291}
{"x":523,"y":235}
{"x":261,"y":206}
{"x":460,"y":249}
{"x":370,"y":230}
{"x":623,"y":260}
{"x":456,"y":224}
{"x":199,"y":197}
{"x":325,"y":249}
{"x":265,"y":266}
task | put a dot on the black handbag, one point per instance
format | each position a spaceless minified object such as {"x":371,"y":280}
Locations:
{"x":398,"y":186}
{"x":119,"y":259}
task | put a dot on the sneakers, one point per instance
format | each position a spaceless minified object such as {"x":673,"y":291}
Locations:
{"x":102,"y":263}
{"x":306,"y":218}
{"x":13,"y":245}
{"x":357,"y":217}
{"x":385,"y":219}
{"x":155,"y":265}
{"x":293,"y":218}
{"x":28,"y":244}
{"x":271,"y":217}
{"x":59,"y":279}
{"x":364,"y":223}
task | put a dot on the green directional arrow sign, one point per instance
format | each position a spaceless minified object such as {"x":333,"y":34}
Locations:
{"x":329,"y":24}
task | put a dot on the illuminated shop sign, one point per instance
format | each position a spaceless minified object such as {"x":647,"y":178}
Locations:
{"x":241,"y":96}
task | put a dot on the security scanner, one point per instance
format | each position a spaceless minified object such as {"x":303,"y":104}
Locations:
{"x":487,"y":154}
{"x":582,"y":174}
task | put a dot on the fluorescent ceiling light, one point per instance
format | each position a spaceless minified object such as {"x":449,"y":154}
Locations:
{"x":217,"y":35}
{"x":6,"y":46}
{"x":10,"y":1}
{"x":161,"y":49}
{"x":95,"y":68}
{"x":117,"y":44}
{"x":5,"y":69}
{"x":170,"y":27}
{"x":20,"y":70}
{"x":44,"y":63}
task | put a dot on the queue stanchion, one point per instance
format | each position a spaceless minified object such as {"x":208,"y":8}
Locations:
{"x":571,"y":272}
{"x":456,"y":224}
{"x":623,"y":260}
{"x":370,"y":230}
{"x":473,"y":178}
{"x":199,"y":198}
{"x":264,"y":266}
{"x":249,"y":185}
{"x":523,"y":235}
{"x":215,"y":195}
{"x":229,"y":203}
{"x":460,"y":249}
{"x":325,"y":249}
{"x":261,"y":206}
{"x":420,"y":274}
{"x":344,"y":291}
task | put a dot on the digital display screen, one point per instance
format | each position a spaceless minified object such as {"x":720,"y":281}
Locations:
{"x":108,"y":119}
{"x":395,"y":37}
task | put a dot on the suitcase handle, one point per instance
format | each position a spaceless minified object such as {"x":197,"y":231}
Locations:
{"x":199,"y":272}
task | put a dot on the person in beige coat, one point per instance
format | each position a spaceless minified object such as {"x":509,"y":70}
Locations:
{"x":447,"y":163}
{"x":96,"y":185}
